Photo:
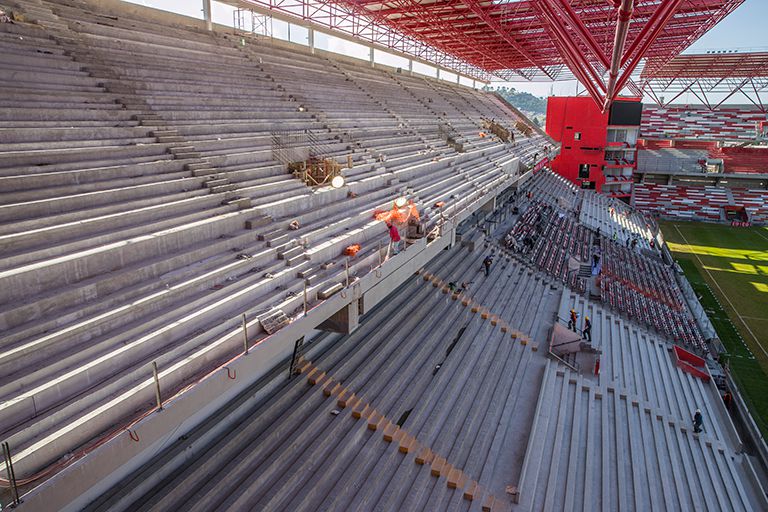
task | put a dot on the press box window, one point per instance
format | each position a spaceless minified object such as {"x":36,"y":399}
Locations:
{"x":584,"y":171}
{"x":577,"y":136}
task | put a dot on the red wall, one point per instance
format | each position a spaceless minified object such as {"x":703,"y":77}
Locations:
{"x":565,"y":117}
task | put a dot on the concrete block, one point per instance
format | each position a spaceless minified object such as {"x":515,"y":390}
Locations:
{"x":490,"y":504}
{"x":360,"y":410}
{"x":216,"y":182}
{"x":438,"y":466}
{"x":471,"y":491}
{"x":425,"y":456}
{"x":259,"y":221}
{"x":223,"y":188}
{"x":389,"y":432}
{"x":328,"y":292}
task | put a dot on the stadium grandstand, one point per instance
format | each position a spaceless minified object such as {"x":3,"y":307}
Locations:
{"x":240,"y":273}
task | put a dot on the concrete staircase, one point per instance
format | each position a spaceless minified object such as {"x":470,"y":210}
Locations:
{"x":388,"y":409}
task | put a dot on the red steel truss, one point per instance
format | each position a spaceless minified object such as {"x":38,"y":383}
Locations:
{"x":723,"y":75}
{"x":599,"y":42}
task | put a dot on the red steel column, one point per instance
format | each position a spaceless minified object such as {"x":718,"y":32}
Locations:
{"x":622,"y":27}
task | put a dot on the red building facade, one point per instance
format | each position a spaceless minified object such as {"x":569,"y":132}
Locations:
{"x":598,"y":149}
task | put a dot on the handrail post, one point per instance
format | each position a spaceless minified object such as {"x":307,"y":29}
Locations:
{"x":245,"y":336}
{"x":157,"y":386}
{"x":346,"y":270}
{"x":11,"y":473}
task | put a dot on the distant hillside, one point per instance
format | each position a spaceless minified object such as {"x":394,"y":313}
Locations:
{"x":524,"y":101}
{"x":534,"y":107}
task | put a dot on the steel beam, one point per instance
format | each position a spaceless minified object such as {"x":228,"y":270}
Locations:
{"x":622,"y":26}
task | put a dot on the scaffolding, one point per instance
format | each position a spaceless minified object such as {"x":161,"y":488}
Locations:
{"x":498,"y":130}
{"x":256,"y":24}
{"x":307,"y":158}
{"x":449,"y":134}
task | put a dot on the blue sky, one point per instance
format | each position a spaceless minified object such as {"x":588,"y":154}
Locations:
{"x":744,"y":28}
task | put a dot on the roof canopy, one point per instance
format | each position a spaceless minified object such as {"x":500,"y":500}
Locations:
{"x":599,"y":42}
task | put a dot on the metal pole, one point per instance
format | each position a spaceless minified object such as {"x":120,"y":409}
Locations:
{"x":11,"y":473}
{"x":207,"y":15}
{"x":379,"y":252}
{"x":346,"y":270}
{"x":157,"y":386}
{"x":306,"y":309}
{"x":245,"y":336}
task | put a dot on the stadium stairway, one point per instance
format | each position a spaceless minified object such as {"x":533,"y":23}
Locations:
{"x":388,"y":407}
{"x":602,"y":448}
{"x":614,"y":217}
{"x":640,"y":362}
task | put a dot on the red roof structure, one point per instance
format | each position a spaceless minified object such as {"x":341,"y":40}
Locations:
{"x":599,"y":42}
{"x":725,"y":74}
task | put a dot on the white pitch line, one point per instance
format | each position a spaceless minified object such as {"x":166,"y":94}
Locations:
{"x":760,"y":232}
{"x":721,"y":291}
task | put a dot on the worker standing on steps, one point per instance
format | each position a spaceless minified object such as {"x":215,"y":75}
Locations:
{"x":698,"y":420}
{"x":572,"y":320}
{"x":487,"y":262}
{"x":394,"y":238}
{"x":587,"y":331}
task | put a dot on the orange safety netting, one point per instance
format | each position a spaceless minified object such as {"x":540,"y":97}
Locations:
{"x":398,"y":215}
{"x":351,"y":250}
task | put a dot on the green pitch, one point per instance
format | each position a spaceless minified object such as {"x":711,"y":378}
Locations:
{"x":728,"y":268}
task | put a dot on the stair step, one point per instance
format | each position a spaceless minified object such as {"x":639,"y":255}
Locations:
{"x":145,"y":117}
{"x":329,"y":291}
{"x":204,"y":172}
{"x":166,"y":133}
{"x":181,"y":149}
{"x":170,"y":139}
{"x":289,"y":253}
{"x":296,"y":258}
{"x":187,"y":155}
{"x":216,"y":182}
{"x":241,"y":202}
{"x":196,"y":165}
{"x":258,"y":222}
{"x":223,"y":188}
{"x":306,"y":272}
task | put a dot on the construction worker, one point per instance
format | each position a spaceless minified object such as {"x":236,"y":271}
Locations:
{"x":587,"y":331}
{"x":698,"y":420}
{"x":572,"y":320}
{"x":487,"y":262}
{"x":394,"y":238}
{"x":727,"y":399}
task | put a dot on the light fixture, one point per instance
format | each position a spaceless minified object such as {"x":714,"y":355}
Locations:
{"x":337,"y":181}
{"x":400,"y":201}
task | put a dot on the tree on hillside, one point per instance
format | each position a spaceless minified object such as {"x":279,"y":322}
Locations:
{"x":521,"y":100}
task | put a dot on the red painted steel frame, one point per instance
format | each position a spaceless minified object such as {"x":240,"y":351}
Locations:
{"x":724,"y":74}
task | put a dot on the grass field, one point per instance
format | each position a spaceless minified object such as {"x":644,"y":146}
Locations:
{"x":728,"y":268}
